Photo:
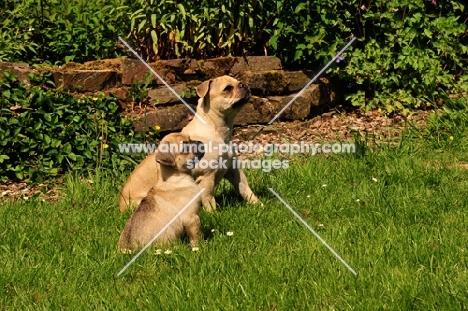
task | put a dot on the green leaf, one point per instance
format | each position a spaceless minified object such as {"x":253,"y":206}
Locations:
{"x":153,"y":20}
{"x":47,"y":139}
{"x":141,"y":25}
{"x":154,"y":36}
{"x":19,"y":175}
{"x":274,"y":42}
{"x":67,"y":148}
{"x":464,"y":48}
{"x":297,"y":55}
{"x":72,"y":156}
{"x":299,"y":7}
{"x":181,"y":9}
{"x":427,"y":32}
{"x":56,"y":143}
{"x":3,"y":157}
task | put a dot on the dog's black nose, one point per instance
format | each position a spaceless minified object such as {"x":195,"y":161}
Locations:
{"x":242,"y":86}
{"x":199,"y":149}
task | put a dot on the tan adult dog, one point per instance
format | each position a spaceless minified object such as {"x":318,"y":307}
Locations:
{"x":220,"y":101}
{"x":167,"y":198}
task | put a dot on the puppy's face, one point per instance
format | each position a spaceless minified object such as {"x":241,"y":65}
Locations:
{"x":223,"y":94}
{"x":176,"y":150}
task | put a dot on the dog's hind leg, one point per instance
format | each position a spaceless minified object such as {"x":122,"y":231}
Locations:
{"x":193,"y":230}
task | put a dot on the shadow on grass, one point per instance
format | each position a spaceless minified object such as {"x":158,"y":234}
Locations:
{"x":227,"y":199}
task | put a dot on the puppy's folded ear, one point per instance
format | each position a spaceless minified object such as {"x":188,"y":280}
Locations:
{"x":203,"y":88}
{"x":165,"y":158}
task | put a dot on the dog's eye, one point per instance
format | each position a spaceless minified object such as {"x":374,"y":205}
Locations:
{"x":228,"y":88}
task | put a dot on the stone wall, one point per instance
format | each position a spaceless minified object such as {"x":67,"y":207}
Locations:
{"x":272,"y":88}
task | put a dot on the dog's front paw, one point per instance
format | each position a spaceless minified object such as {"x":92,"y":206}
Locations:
{"x":209,"y":205}
{"x":125,"y":251}
{"x":254,"y":200}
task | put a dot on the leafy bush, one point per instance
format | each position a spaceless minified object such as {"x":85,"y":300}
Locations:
{"x":409,"y":53}
{"x":201,"y":28}
{"x":310,"y":33}
{"x":298,"y":32}
{"x":46,"y":132}
{"x":58,"y":31}
{"x":16,"y":32}
{"x":415,"y":53}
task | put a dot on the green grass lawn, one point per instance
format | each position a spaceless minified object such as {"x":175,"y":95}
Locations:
{"x":397,"y":215}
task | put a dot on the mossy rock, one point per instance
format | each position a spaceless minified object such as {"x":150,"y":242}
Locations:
{"x":275,"y":81}
{"x":216,"y":67}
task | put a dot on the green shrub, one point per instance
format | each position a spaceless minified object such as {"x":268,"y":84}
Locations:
{"x":299,"y":32}
{"x":310,"y":33}
{"x":56,"y":31}
{"x":46,"y":131}
{"x":409,"y":53}
{"x":200,"y":29}
{"x":415,"y":53}
{"x":17,"y":31}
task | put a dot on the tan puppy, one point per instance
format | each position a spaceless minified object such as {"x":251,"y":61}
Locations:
{"x":220,"y":101}
{"x":168,"y":197}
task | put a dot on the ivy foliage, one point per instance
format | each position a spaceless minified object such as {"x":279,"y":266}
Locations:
{"x":414,"y":55}
{"x":46,"y":131}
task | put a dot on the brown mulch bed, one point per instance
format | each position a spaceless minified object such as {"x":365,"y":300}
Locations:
{"x":329,"y":127}
{"x":24,"y":191}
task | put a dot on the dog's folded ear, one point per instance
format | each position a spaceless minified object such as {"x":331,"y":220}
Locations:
{"x":202,"y":91}
{"x":165,"y":158}
{"x":203,"y":88}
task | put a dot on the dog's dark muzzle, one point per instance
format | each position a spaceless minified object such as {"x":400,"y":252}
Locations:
{"x":200,"y":149}
{"x":244,"y":93}
{"x":196,"y":147}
